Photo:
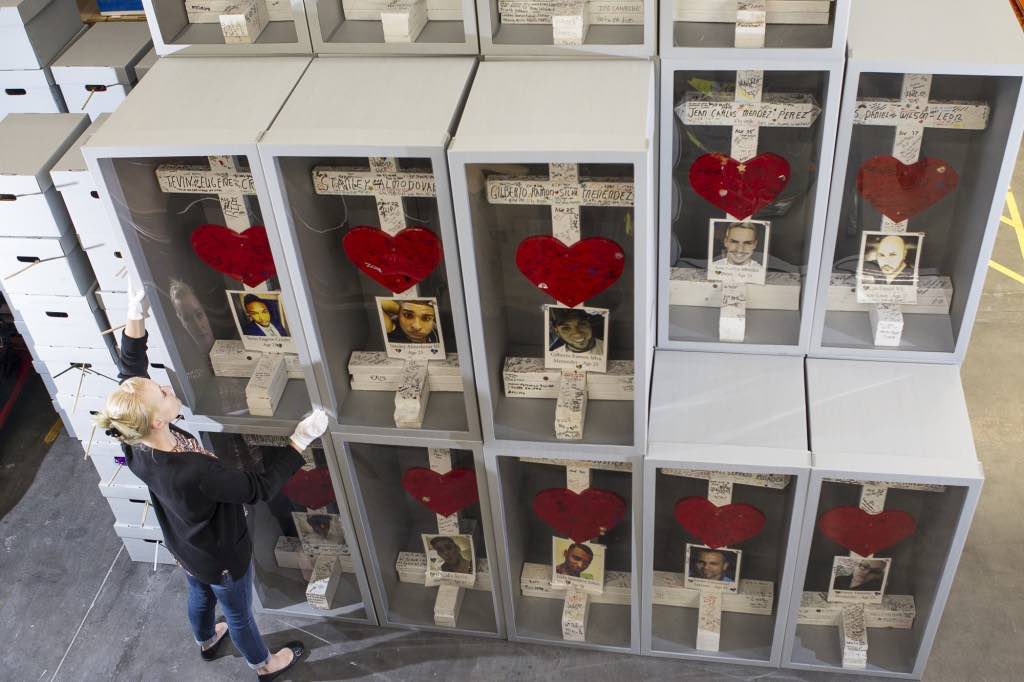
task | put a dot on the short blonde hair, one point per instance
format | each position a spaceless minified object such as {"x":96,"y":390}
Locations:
{"x":125,"y":416}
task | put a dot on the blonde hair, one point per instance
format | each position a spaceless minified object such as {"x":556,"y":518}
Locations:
{"x":125,"y":416}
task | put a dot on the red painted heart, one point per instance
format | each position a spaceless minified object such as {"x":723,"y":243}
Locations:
{"x":739,"y":189}
{"x":399,"y":262}
{"x":443,"y":494}
{"x":718,"y":526}
{"x":900,"y":191}
{"x":580,"y":516}
{"x":864,"y":533}
{"x":311,"y":489}
{"x":244,"y":256}
{"x":570,"y":274}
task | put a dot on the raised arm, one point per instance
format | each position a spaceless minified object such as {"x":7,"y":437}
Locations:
{"x":133,"y":360}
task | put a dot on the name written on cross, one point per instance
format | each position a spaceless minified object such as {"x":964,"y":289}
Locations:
{"x":189,"y":180}
{"x":596,"y":193}
{"x":395,"y":185}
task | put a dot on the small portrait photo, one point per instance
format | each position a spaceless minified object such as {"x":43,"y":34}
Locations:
{"x":576,"y":338}
{"x":887,"y":271}
{"x":738,"y":250}
{"x":412,"y":328}
{"x":320,"y":533}
{"x":261,"y":321}
{"x":717,"y":568}
{"x":577,"y":564}
{"x":450,"y":559}
{"x":858,"y":579}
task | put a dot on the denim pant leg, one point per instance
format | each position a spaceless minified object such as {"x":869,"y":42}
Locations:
{"x":235,"y":598}
{"x":201,"y":611}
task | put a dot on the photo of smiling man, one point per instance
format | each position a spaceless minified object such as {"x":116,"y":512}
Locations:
{"x":261,"y":321}
{"x":718,"y":568}
{"x":412,"y":328}
{"x":580,"y":564}
{"x":576,"y":338}
{"x":738,"y":251}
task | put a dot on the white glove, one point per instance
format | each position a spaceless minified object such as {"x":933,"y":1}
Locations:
{"x":309,"y":429}
{"x":138,"y":306}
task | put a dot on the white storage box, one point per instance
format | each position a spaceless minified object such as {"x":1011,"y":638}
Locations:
{"x":110,"y":471}
{"x":150,"y":531}
{"x":61,"y":267}
{"x":60,"y":320}
{"x":72,"y":179}
{"x":108,"y":261}
{"x":29,"y":204}
{"x":96,"y":73}
{"x":57,"y":358}
{"x":29,"y":91}
{"x":147,"y":550}
{"x":32,"y":32}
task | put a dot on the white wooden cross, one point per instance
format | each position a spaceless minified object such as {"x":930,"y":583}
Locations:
{"x":241,"y":21}
{"x":565,"y":193}
{"x":910,"y":115}
{"x":747,"y":112}
{"x":853,"y":620}
{"x":753,"y":596}
{"x":388,"y":186}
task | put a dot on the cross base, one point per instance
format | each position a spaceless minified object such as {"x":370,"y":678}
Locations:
{"x":412,"y":381}
{"x":886,"y":324}
{"x":243,"y":22}
{"x":896,"y":612}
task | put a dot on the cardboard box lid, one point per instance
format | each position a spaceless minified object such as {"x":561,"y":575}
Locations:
{"x":27,"y":79}
{"x":21,"y":11}
{"x":104,"y":54}
{"x":31,"y":144}
{"x":374,"y":101}
{"x":69,"y":167}
{"x":550,"y":106}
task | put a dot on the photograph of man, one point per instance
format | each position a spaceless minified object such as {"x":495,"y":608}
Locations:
{"x":578,"y":558}
{"x":576,"y":338}
{"x":890,"y":259}
{"x":262,"y":317}
{"x":865,"y":575}
{"x":718,"y":567}
{"x":450,"y":554}
{"x":410,"y":321}
{"x":737,"y":251}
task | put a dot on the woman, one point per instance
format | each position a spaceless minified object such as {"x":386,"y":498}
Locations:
{"x":198,"y":501}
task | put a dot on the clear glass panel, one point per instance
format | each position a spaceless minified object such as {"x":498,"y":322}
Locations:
{"x":202,"y":239}
{"x":539,"y":554}
{"x":935,"y":183}
{"x":534,"y":261}
{"x":525,"y":22}
{"x":746,"y":222}
{"x":403,"y":529}
{"x":301,"y":528}
{"x":359,"y":21}
{"x":908,"y":549}
{"x":753,"y":564}
{"x":791,"y":23}
{"x":377,"y":280}
{"x":200,"y":24}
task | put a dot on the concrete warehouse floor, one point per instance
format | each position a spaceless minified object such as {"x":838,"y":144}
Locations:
{"x":74,"y":607}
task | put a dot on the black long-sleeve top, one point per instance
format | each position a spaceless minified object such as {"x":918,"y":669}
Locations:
{"x":197,"y":500}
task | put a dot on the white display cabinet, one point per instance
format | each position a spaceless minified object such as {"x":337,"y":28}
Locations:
{"x":554,"y":199}
{"x":33,"y":32}
{"x":438,"y":27}
{"x":893,"y":490}
{"x":189,"y":197}
{"x":725,"y":481}
{"x":929,"y":129}
{"x":569,"y":537}
{"x":97,"y":71}
{"x":571,"y":28}
{"x":143,"y":66}
{"x":251,"y":27}
{"x":744,"y":191}
{"x":425,"y":525}
{"x":359,"y":183}
{"x":812,"y":29}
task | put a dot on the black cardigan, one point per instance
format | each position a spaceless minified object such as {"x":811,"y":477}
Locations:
{"x":197,"y":500}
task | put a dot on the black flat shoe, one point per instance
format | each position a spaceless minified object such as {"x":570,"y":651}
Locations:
{"x":298,"y":649}
{"x":211,"y":653}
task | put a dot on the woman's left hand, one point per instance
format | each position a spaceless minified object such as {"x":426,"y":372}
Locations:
{"x":309,"y":429}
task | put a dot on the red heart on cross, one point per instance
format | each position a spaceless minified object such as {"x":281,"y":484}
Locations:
{"x":570,"y":274}
{"x":580,"y":516}
{"x":397,"y":262}
{"x":310,"y":488}
{"x":740,"y":189}
{"x":864,"y":533}
{"x":900,"y":191}
{"x":718,"y":526}
{"x":443,"y":494}
{"x":244,"y":256}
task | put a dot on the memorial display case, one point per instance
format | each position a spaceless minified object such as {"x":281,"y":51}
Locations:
{"x":438,"y":27}
{"x":928,"y":135}
{"x":725,"y":481}
{"x":569,"y":542}
{"x":360,"y":189}
{"x":553,"y":191}
{"x":424,"y":520}
{"x":893,"y":491}
{"x":190,"y":199}
{"x":745,"y":160}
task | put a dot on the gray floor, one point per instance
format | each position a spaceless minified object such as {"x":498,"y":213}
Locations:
{"x":74,"y":607}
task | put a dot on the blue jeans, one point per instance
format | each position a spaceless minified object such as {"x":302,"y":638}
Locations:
{"x":235,"y":598}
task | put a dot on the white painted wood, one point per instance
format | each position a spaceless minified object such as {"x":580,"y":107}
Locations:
{"x":570,"y":22}
{"x":264,"y":390}
{"x":412,"y":395}
{"x":403,"y":20}
{"x":323,"y":583}
{"x":209,"y":11}
{"x":690,"y":286}
{"x":571,"y":405}
{"x":575,"y":613}
{"x":412,"y":568}
{"x":244,"y":21}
